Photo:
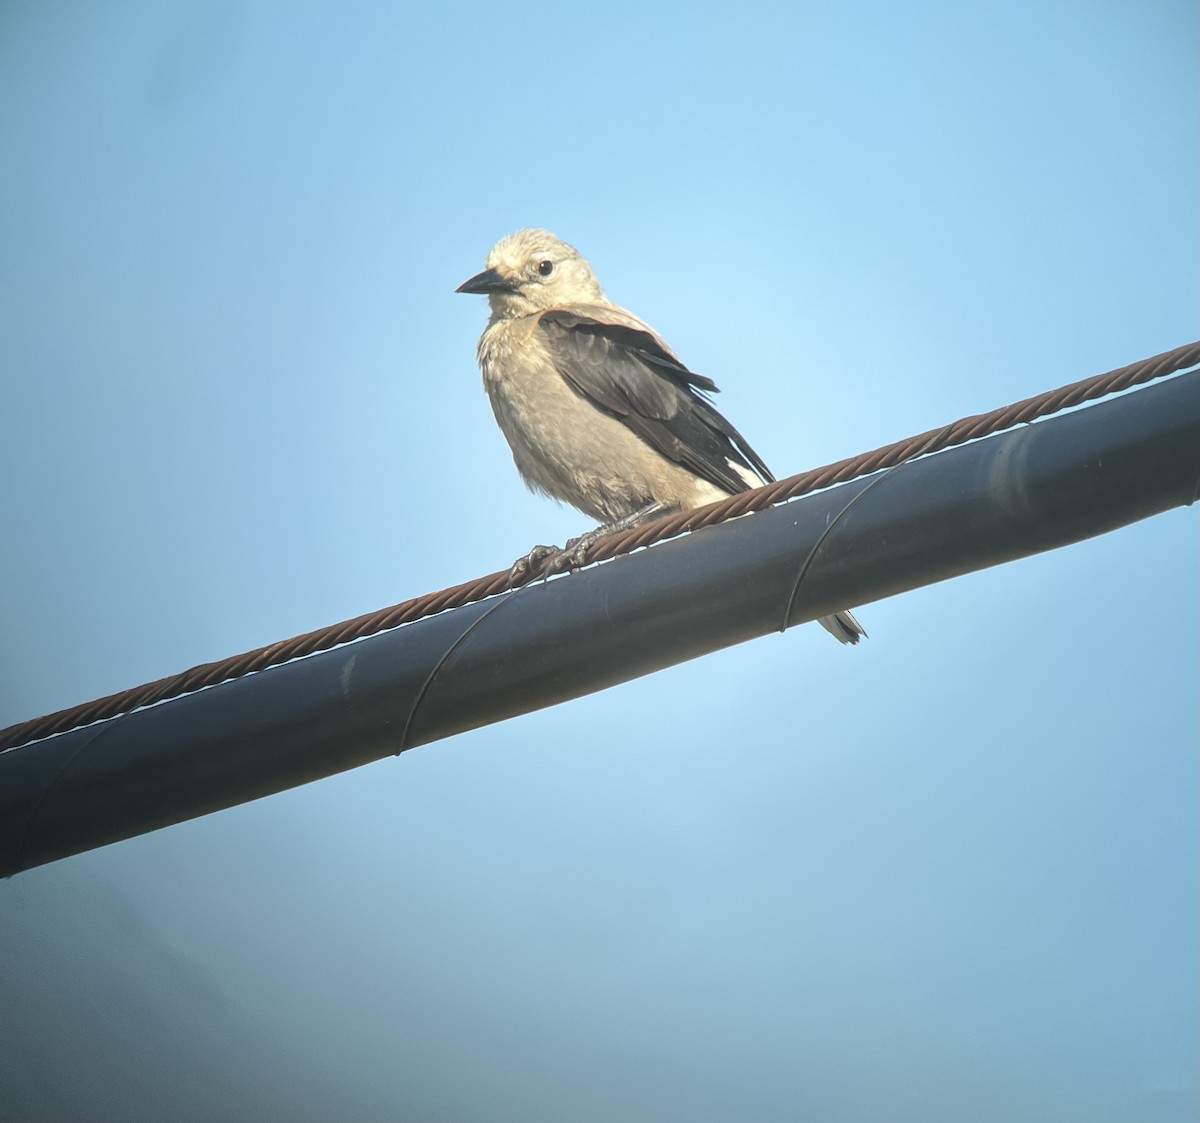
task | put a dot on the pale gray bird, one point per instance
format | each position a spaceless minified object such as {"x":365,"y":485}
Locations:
{"x":598,"y":410}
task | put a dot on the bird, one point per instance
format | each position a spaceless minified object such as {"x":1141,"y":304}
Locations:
{"x":599,"y":412}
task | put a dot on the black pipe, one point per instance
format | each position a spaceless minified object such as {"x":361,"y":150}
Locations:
{"x":1005,"y":497}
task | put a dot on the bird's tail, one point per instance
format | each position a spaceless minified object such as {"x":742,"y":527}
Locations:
{"x":843,"y":627}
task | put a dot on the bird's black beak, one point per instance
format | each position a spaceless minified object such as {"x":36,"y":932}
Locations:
{"x":487,"y":281}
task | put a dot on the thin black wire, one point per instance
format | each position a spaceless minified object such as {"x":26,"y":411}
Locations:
{"x":804,"y":569}
{"x":412,"y":713}
{"x":44,"y":795}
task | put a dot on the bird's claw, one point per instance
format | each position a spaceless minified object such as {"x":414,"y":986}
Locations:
{"x":549,"y":560}
{"x":574,"y":554}
{"x":532,"y":562}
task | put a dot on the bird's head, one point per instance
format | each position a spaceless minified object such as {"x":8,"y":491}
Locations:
{"x":532,"y":270}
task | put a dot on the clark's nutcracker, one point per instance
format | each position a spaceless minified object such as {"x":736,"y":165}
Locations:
{"x":598,"y":410}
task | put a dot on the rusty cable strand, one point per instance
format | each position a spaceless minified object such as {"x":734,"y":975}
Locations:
{"x":888,"y":456}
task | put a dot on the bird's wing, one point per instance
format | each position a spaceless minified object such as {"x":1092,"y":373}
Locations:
{"x":627,"y":372}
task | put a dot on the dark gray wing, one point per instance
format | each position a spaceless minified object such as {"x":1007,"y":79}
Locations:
{"x":628,"y":374}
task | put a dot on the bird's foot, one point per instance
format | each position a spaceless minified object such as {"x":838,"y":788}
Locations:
{"x":532,"y":562}
{"x":549,"y":560}
{"x":574,"y":554}
{"x":546,"y":561}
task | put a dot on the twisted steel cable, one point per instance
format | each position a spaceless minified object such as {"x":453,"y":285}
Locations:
{"x":960,"y":432}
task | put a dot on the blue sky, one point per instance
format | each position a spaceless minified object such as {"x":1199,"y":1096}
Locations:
{"x":948,"y":874}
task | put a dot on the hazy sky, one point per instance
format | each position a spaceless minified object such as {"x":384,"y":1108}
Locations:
{"x":950,"y":874}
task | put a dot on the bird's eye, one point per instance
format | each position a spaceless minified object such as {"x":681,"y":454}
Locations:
{"x":545,"y":268}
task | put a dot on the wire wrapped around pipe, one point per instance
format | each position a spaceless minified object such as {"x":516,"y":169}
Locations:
{"x":959,"y":432}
